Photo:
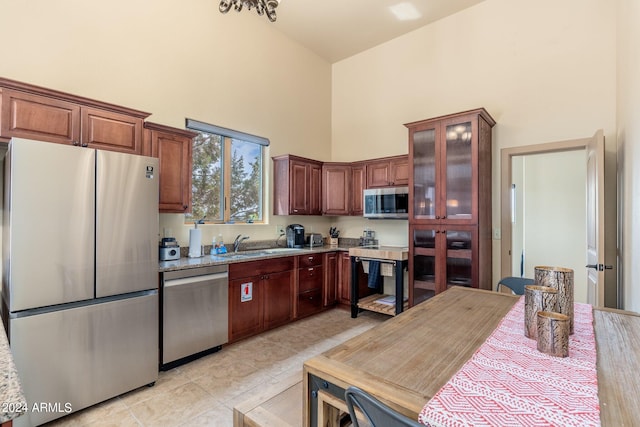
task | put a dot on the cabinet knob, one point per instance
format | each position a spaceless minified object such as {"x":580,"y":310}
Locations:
{"x":84,"y":144}
{"x":76,"y":143}
{"x":185,"y":207}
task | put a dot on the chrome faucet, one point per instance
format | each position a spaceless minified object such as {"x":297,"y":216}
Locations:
{"x":239,"y":239}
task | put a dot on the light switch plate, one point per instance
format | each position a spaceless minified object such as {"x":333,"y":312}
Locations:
{"x":496,"y":234}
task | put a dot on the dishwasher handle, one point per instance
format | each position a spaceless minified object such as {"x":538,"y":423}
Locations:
{"x":195,"y":279}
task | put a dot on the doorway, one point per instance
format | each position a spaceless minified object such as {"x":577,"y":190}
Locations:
{"x":548,"y":215}
{"x":544,"y":231}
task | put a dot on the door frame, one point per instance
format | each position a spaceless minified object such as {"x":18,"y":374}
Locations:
{"x":506,"y":155}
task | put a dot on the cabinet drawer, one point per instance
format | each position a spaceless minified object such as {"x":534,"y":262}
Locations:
{"x":257,"y":268}
{"x":309,"y":260}
{"x":309,"y":278}
{"x":309,"y":302}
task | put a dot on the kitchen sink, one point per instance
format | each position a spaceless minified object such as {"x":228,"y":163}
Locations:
{"x":256,"y":253}
{"x":279,"y":250}
{"x":232,"y":255}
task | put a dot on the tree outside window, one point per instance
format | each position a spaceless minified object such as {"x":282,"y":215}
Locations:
{"x":227,"y":177}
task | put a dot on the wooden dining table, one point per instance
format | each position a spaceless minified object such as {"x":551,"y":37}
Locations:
{"x":408,"y":358}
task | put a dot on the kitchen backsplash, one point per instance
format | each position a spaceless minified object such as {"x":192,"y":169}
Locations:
{"x":387,"y":232}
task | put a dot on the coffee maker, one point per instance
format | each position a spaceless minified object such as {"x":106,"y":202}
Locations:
{"x":295,"y":236}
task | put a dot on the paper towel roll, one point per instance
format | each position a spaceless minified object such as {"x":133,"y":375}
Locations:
{"x":195,"y":243}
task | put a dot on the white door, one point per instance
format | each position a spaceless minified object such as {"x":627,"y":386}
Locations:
{"x":595,"y":220}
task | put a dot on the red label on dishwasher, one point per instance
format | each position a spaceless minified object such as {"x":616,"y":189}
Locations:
{"x":246,"y":293}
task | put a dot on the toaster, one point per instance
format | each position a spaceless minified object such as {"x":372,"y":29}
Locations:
{"x":314,"y":239}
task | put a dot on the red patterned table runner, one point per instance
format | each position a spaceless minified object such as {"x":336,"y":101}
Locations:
{"x":508,"y":382}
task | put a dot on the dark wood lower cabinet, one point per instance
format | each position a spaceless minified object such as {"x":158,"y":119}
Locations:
{"x":287,"y":288}
{"x":344,"y":280}
{"x":261,"y":301}
{"x":330,"y":285}
{"x":278,"y":289}
{"x":310,"y":282}
{"x":246,"y":316}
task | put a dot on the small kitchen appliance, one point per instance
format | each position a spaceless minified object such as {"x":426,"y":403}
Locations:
{"x":390,"y":203}
{"x":169,"y":249}
{"x":368,"y":238}
{"x":314,"y":239}
{"x":295,"y":236}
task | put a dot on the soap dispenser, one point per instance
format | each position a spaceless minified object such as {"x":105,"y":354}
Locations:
{"x":220,"y":248}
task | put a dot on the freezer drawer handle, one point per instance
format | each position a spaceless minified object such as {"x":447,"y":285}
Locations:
{"x":195,"y":279}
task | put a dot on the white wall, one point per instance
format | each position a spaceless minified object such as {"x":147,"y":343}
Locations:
{"x":176,"y":60}
{"x":628,"y":126}
{"x":555,"y":218}
{"x":545,"y":70}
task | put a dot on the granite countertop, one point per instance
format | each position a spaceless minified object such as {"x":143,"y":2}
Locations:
{"x":12,"y":400}
{"x":242,"y":256}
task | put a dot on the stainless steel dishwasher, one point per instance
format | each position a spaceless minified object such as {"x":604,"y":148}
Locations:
{"x":194,"y":313}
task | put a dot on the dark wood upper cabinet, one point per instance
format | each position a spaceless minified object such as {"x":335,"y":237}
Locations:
{"x":336,"y":182}
{"x":107,"y":130}
{"x":173,"y":148}
{"x":36,"y":117}
{"x":297,"y":184}
{"x":33,"y":112}
{"x":309,"y":187}
{"x":358,"y":183}
{"x":388,"y":172}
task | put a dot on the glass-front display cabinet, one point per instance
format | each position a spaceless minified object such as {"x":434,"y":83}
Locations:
{"x":441,"y":259}
{"x":445,"y":158}
{"x":450,"y":203}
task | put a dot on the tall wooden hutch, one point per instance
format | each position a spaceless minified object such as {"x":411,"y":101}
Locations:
{"x":449,"y":203}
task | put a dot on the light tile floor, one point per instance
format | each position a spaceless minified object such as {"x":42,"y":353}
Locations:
{"x":204,"y":392}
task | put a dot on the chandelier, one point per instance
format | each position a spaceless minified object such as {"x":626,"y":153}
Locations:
{"x":261,"y":6}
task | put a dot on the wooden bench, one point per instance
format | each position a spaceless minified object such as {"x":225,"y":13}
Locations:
{"x":279,"y":405}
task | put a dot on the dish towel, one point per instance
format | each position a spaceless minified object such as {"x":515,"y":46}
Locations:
{"x":374,"y":278}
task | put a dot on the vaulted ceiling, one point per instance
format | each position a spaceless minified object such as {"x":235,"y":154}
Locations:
{"x":337,"y":29}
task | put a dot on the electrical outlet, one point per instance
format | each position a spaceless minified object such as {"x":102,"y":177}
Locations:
{"x":279,"y":230}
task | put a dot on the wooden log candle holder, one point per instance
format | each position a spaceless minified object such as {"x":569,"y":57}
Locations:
{"x":553,"y":333}
{"x":561,"y":279}
{"x":537,"y":298}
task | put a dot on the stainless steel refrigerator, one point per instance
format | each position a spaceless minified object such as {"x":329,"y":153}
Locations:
{"x":80,"y":274}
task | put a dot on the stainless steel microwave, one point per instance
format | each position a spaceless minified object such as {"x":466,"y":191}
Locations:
{"x":390,"y":202}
